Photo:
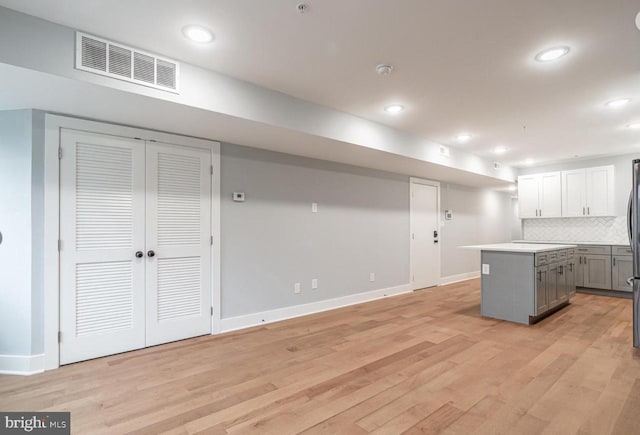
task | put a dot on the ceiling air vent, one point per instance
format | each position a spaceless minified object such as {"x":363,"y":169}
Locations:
{"x":115,"y":60}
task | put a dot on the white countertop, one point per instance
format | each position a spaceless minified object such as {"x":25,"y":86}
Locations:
{"x":519,"y":247}
{"x":570,"y":242}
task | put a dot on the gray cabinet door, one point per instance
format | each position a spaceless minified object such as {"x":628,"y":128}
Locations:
{"x":579,"y":270}
{"x":621,"y":270}
{"x":552,"y":285}
{"x":562,"y":291}
{"x":570,"y":277}
{"x":542,"y":273}
{"x":597,"y":272}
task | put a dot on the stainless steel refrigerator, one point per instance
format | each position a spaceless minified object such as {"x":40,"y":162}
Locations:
{"x":634,"y":239}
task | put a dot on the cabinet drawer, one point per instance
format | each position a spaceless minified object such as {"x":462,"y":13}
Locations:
{"x":622,"y":250}
{"x":570,"y":253}
{"x":553,"y":256}
{"x":593,"y":249}
{"x":562,"y":255}
{"x":542,"y":259}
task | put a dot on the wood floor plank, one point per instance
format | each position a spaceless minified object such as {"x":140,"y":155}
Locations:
{"x":424,"y":362}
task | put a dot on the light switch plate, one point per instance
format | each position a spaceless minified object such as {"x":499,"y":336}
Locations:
{"x":314,"y":207}
{"x":486,"y":269}
{"x":296,"y":288}
{"x":314,"y":283}
{"x":372,"y":277}
{"x":238,"y":196}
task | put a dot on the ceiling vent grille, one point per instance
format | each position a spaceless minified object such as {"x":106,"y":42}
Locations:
{"x":100,"y":56}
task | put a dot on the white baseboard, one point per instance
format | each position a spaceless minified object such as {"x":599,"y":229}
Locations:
{"x":264,"y":317}
{"x":461,"y":277}
{"x":21,"y":364}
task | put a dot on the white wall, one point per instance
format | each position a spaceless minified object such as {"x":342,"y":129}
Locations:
{"x":15,"y":225}
{"x":479,"y":216}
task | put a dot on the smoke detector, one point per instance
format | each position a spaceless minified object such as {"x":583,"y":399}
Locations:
{"x":302,"y":7}
{"x":384,"y":70}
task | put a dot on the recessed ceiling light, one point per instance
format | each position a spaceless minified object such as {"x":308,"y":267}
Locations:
{"x":614,"y":104}
{"x":197,"y":34}
{"x":463,"y":137}
{"x":500,"y":149}
{"x":552,"y":54}
{"x":634,"y":126}
{"x":394,"y":108}
{"x":529,"y":161}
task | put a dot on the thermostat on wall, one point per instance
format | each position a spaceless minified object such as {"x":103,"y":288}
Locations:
{"x":448,"y":214}
{"x":238,"y":196}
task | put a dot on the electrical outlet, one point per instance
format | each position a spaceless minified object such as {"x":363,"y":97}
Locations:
{"x":372,"y":277}
{"x":314,"y":207}
{"x":296,"y":288}
{"x":314,"y":283}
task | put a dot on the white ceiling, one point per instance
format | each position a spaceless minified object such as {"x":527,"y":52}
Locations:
{"x":460,"y":65}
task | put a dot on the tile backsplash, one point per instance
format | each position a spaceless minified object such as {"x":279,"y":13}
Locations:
{"x":596,"y":229}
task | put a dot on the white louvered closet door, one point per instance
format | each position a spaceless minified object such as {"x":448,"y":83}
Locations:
{"x":102,"y":221}
{"x":178,"y":233}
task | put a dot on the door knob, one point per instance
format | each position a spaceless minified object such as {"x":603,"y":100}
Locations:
{"x":151,"y":254}
{"x":139,"y":254}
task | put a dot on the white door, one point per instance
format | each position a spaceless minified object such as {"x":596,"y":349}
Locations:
{"x":528,"y":196}
{"x":550,"y":195}
{"x":600,"y":191}
{"x":425,"y":229}
{"x":178,"y":256}
{"x":102,"y":218}
{"x":573,"y":193}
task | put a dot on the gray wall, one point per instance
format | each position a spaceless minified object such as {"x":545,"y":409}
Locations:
{"x":622,"y":174}
{"x":273,"y":240}
{"x":479,"y":216}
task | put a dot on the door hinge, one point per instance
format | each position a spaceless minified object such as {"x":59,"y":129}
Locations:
{"x":59,"y":153}
{"x":59,"y":336}
{"x":59,"y":245}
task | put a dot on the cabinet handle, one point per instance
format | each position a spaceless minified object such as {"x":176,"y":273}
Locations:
{"x":614,"y":261}
{"x":540,"y":212}
{"x":588,"y":211}
{"x":539,"y":275}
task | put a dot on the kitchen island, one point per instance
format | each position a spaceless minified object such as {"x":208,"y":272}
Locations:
{"x":525,"y":282}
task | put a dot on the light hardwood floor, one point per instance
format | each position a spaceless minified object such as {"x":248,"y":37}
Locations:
{"x":425,"y":362}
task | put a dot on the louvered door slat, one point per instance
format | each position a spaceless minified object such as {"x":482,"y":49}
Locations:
{"x":101,"y":225}
{"x":178,"y":229}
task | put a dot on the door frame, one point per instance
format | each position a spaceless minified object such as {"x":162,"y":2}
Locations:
{"x":53,"y":124}
{"x":436,"y":184}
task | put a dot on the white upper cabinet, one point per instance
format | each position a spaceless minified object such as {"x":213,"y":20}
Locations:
{"x":528,"y":196}
{"x":539,"y":195}
{"x":574,"y":189}
{"x":588,"y":192}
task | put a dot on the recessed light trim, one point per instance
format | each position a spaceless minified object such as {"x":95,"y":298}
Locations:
{"x":552,"y":54}
{"x":463,"y":137}
{"x":618,"y":102}
{"x":394,"y":109}
{"x":634,"y":126}
{"x":500,"y":149}
{"x":198,"y":34}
